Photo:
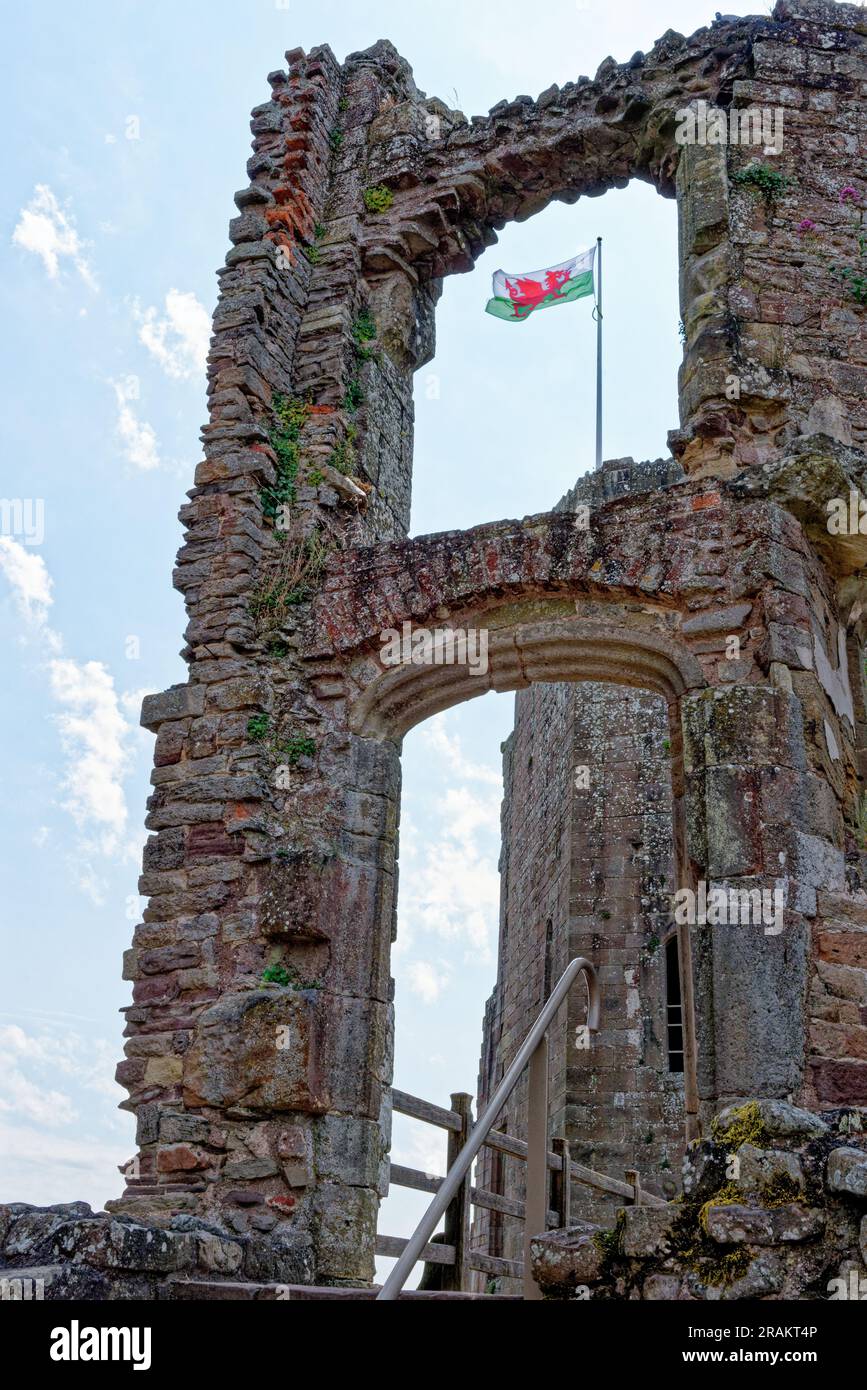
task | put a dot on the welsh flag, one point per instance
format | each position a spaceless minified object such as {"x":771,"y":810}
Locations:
{"x":516,"y":296}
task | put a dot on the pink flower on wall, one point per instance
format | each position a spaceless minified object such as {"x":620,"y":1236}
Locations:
{"x":808,"y":225}
{"x":849,"y":194}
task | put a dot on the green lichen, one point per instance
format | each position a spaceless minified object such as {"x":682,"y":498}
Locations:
{"x":691,"y":1246}
{"x":342,"y":456}
{"x":288,"y":976}
{"x":276,"y":975}
{"x":610,"y":1243}
{"x":378,"y":198}
{"x":725,"y":1270}
{"x":312,"y":254}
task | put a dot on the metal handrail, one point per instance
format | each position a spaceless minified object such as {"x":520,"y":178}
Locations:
{"x":485,"y":1123}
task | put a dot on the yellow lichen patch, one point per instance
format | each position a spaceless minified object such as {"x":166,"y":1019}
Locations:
{"x":780,"y":1190}
{"x":728,"y":1196}
{"x":745,"y":1126}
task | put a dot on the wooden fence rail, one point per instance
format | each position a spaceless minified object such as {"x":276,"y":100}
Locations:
{"x":453,"y":1254}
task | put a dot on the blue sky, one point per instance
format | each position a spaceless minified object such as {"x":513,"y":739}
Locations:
{"x":110,"y":246}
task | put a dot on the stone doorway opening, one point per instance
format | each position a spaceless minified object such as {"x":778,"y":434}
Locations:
{"x":587,"y":867}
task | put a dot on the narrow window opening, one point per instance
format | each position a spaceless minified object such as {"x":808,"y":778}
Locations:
{"x":549,"y":949}
{"x":498,"y":1186}
{"x":674,"y":1006}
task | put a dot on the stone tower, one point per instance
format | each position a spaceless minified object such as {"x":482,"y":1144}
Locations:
{"x":588,"y":868}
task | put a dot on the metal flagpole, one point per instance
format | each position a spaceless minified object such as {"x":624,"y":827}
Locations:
{"x":598,"y":312}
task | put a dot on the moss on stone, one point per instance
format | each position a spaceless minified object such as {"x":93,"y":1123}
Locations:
{"x":693,"y":1248}
{"x":725,"y":1270}
{"x":780,"y":1190}
{"x":610,"y":1243}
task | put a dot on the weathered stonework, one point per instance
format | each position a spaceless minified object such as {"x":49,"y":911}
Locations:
{"x":363,"y":195}
{"x":263,"y":1104}
{"x":787,"y":1225}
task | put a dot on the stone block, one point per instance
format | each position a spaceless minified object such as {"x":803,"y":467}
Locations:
{"x":561,"y":1260}
{"x":735,"y":1224}
{"x":760,"y":1167}
{"x":704,"y":1169}
{"x":283,"y":1258}
{"x":776,"y":1118}
{"x":30,"y":1230}
{"x":346,"y":1230}
{"x":847,"y":1171}
{"x":107,"y":1244}
{"x":647,"y":1230}
{"x":218,"y":1256}
{"x":261,"y":1050}
{"x":178,"y":702}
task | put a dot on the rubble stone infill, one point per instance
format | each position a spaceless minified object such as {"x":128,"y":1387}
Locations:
{"x":774,"y":1206}
{"x":70,"y":1252}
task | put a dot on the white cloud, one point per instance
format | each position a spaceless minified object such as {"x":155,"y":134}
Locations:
{"x":31,"y":585}
{"x":94,"y":735}
{"x":54,"y":1081}
{"x":449,"y":883}
{"x":88,"y":882}
{"x":49,"y":232}
{"x":448,"y":748}
{"x":426,"y":981}
{"x":19,"y":1094}
{"x":97,"y":739}
{"x":46,"y":1167}
{"x":419,"y":1146}
{"x":179,"y":341}
{"x":139,"y":438}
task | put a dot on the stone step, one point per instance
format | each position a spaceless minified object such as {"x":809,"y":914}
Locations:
{"x":212,"y":1289}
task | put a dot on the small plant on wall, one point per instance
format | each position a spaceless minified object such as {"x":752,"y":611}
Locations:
{"x":290,"y":416}
{"x":378,"y":198}
{"x":861,"y":822}
{"x":761,"y":178}
{"x":288,"y":581}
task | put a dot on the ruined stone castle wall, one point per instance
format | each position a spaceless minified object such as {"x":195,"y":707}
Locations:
{"x":258,"y":1040}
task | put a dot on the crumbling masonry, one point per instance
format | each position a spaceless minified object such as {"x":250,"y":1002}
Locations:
{"x":263,"y":1103}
